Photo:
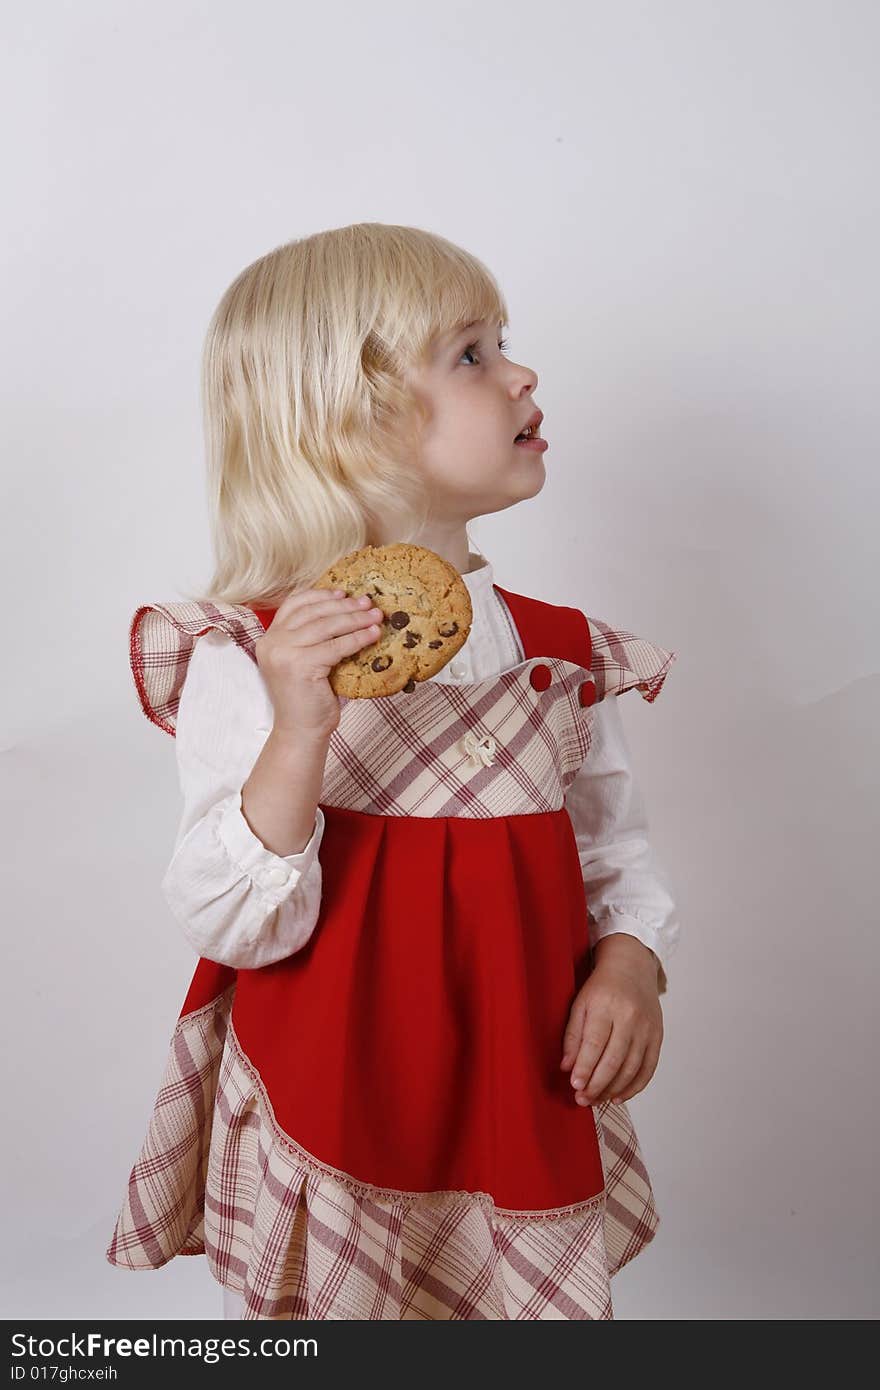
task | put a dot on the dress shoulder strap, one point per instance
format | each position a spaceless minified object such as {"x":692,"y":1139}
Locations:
{"x":162,"y":637}
{"x":161,"y":641}
{"x":618,"y":659}
{"x":549,"y":629}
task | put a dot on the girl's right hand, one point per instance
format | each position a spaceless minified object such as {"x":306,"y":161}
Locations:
{"x":312,"y":629}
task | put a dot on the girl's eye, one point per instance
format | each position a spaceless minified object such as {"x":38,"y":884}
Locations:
{"x":471,"y":348}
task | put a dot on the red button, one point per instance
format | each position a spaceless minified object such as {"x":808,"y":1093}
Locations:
{"x":540,"y":676}
{"x":587,"y":693}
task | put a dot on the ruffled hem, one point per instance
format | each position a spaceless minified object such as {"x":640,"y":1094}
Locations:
{"x":299,"y":1239}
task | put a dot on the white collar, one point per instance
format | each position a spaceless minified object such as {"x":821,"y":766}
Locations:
{"x":479,"y":580}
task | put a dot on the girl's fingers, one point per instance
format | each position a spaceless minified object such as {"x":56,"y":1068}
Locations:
{"x":626,"y":1073}
{"x":571,"y":1038}
{"x":620,"y":1093}
{"x":307,"y":608}
{"x":303,"y":598}
{"x":596,"y":1035}
{"x":307,"y":599}
{"x":345,"y":642}
{"x":607,"y":1066}
{"x":642,"y":1076}
{"x":326,"y":627}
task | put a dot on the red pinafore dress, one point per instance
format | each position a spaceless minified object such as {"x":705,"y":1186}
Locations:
{"x":377,"y":1126}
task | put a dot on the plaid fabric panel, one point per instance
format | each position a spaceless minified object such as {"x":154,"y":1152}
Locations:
{"x":163,"y":1211}
{"x":162,"y":636}
{"x":507,"y":745}
{"x":299,"y":1239}
{"x":411,"y":754}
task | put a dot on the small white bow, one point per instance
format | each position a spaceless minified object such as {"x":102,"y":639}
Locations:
{"x":482,"y":750}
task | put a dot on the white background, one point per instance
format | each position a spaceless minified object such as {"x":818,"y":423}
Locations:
{"x":680,"y":202}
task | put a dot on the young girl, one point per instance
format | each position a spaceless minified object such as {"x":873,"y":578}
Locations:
{"x":431,"y":932}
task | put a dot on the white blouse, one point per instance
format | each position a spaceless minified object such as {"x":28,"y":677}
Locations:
{"x":242,"y":905}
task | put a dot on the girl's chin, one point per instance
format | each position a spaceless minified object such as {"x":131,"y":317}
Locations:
{"x":533,"y":481}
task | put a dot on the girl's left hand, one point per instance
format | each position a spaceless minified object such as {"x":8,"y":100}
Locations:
{"x":615,"y":1026}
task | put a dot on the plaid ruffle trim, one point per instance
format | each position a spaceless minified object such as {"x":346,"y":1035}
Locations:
{"x":216,"y":1176}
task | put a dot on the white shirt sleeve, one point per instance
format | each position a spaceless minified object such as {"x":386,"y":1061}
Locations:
{"x":627,"y":887}
{"x":237,"y":902}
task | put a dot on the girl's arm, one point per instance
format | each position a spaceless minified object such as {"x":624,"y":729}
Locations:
{"x":238,"y":899}
{"x":627,"y":888}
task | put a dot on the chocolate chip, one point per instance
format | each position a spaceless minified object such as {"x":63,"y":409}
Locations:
{"x":381,"y":663}
{"x":412,"y":639}
{"x":451,"y":633}
{"x":410,"y":686}
{"x":438,"y":643}
{"x":399,"y":619}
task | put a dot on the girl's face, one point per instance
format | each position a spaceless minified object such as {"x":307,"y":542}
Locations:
{"x":478,"y":400}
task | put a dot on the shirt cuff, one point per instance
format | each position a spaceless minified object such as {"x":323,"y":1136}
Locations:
{"x":274,"y":874}
{"x":616,"y":920}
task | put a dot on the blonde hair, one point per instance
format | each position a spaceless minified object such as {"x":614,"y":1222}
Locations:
{"x":310,"y":426}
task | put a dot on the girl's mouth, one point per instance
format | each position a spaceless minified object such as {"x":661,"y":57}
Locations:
{"x":533,"y":441}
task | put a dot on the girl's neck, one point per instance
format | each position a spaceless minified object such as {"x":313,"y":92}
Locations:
{"x":453,"y":545}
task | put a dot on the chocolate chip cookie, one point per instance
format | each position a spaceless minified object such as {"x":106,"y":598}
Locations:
{"x":426,"y":617}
